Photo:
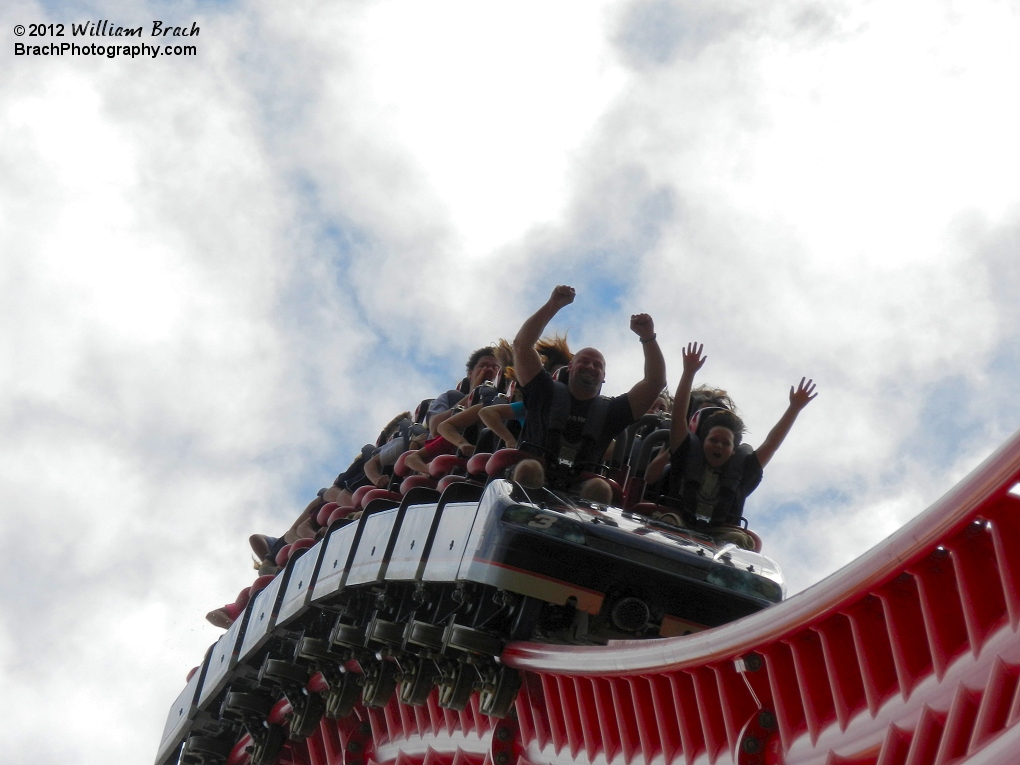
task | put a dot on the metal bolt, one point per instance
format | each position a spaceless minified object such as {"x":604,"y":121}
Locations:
{"x":767,"y":720}
{"x":504,"y":734}
{"x":752,"y":662}
{"x":751,"y":745}
{"x":503,"y":758}
{"x":365,"y":729}
{"x":353,"y":747}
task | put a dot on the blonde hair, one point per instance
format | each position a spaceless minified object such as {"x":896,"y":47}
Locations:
{"x":553,"y":351}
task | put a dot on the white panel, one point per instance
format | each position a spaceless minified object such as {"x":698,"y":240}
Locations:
{"x":331,"y":572}
{"x":414,"y":532}
{"x":368,"y":558}
{"x":261,"y":619}
{"x":299,"y":587}
{"x":448,"y":547}
{"x":223,"y":659}
{"x":180,"y":714}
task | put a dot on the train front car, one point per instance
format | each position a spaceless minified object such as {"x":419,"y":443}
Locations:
{"x":421,"y":596}
{"x":603,"y":573}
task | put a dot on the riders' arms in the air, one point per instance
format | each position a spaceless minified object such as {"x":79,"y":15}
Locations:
{"x":527,"y":362}
{"x":678,"y":432}
{"x":693,"y":361}
{"x":799,"y":398}
{"x":644,"y":393}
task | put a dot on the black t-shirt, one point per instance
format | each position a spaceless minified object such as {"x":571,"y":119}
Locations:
{"x":695,"y":503}
{"x":538,"y":400}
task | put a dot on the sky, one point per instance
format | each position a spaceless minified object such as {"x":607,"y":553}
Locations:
{"x":222,"y":274}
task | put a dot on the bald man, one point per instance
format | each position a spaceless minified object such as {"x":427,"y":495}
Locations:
{"x":571,"y":425}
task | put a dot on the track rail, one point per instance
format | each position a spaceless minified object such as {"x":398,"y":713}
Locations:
{"x":908,"y":656}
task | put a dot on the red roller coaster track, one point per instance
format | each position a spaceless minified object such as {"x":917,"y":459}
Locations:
{"x":908,"y":656}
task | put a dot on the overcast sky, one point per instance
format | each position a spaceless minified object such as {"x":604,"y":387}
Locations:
{"x":221,"y":274}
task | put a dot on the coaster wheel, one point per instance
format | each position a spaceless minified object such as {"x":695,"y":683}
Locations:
{"x":206,"y":749}
{"x":380,"y":682}
{"x":425,"y":634}
{"x":417,"y":684}
{"x":499,"y":692}
{"x":468,"y":639}
{"x":529,"y":611}
{"x":266,"y":745}
{"x":283,"y":672}
{"x":342,"y":698}
{"x":455,"y":689}
{"x":245,"y":704}
{"x":304,"y":720}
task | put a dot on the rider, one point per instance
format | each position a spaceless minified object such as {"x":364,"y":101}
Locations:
{"x":710,"y":479}
{"x":570,"y":424}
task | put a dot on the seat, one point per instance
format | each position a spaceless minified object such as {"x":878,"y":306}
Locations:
{"x":357,"y":500}
{"x":400,"y":469}
{"x":379,"y":494}
{"x":446,"y":480}
{"x":340,"y":512}
{"x":414,"y":481}
{"x":505,"y":459}
{"x":476,"y":465}
{"x":445,"y":464}
{"x":322,"y":517}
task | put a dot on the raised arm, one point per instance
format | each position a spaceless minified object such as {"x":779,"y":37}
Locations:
{"x":451,"y":428}
{"x":644,"y":393}
{"x":799,"y":398}
{"x":693,"y":361}
{"x":495,"y":418}
{"x":527,"y":362}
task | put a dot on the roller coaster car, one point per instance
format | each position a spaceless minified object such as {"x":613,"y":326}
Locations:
{"x":421,"y":595}
{"x":614,"y":574}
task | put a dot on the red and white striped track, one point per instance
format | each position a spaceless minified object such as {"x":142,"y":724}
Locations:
{"x":908,"y":656}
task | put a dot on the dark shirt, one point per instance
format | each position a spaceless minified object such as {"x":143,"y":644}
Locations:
{"x":538,"y":398}
{"x":729,"y":510}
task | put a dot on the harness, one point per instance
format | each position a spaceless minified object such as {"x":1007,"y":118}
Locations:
{"x":728,"y":505}
{"x":568,"y":453}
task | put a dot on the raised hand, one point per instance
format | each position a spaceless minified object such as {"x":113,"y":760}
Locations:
{"x":561,"y":296}
{"x":804,"y":394}
{"x":642,"y":325}
{"x":693,"y":360}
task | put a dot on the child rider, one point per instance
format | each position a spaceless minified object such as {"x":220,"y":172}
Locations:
{"x":710,"y":480}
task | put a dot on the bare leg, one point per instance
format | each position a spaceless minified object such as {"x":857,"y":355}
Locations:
{"x":303,"y":528}
{"x":415,"y":461}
